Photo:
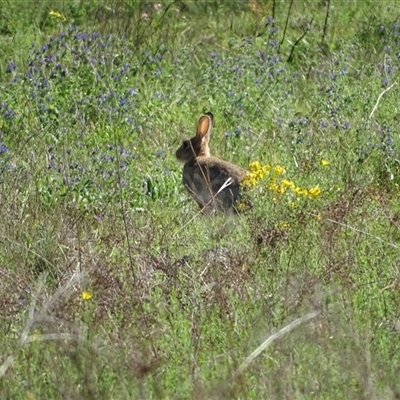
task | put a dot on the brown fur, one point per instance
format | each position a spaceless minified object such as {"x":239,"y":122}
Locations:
{"x":204,"y":175}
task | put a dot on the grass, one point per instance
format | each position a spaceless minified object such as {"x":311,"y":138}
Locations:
{"x":114,"y":286}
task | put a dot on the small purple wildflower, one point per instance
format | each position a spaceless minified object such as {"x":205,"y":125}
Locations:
{"x":346,"y":126}
{"x":9,"y":113}
{"x":11,"y":66}
{"x":270,"y":21}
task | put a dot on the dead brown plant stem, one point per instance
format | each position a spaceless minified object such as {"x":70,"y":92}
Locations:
{"x":328,"y":6}
{"x":286,"y":22}
{"x":123,"y":212}
{"x":272,"y":338}
{"x":273,"y":9}
{"x":290,"y":58}
{"x":128,"y":242}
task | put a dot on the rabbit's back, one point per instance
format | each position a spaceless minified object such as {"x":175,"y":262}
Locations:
{"x":205,"y":176}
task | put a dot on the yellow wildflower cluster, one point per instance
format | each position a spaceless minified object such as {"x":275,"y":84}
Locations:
{"x":58,"y":15}
{"x":86,"y":295}
{"x":255,"y":173}
{"x":276,"y":184}
{"x":283,"y":186}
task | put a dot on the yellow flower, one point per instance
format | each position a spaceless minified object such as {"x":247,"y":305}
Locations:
{"x":314,"y":192}
{"x":241,"y":206}
{"x":265,"y":170}
{"x":249,"y":179}
{"x":277,"y":188}
{"x":254,"y":166}
{"x":283,"y":225}
{"x":300,"y":192}
{"x":325,"y":163}
{"x":278,"y":170}
{"x":255,"y":173}
{"x":318,"y":217}
{"x":57,"y":15}
{"x":287,"y":183}
{"x":86,"y":295}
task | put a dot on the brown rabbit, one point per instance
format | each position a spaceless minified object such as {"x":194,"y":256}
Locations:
{"x":212,"y":182}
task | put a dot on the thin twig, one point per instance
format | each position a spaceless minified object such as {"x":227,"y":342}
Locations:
{"x":123,"y":212}
{"x":286,"y":23}
{"x":273,"y":10}
{"x":377,"y":238}
{"x":28,"y":326}
{"x":328,"y":6}
{"x":379,"y":99}
{"x":298,"y":40}
{"x":270,"y":339}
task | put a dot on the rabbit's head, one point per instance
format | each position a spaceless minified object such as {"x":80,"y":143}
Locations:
{"x":198,"y":145}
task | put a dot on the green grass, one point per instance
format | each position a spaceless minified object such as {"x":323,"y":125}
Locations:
{"x":94,"y":103}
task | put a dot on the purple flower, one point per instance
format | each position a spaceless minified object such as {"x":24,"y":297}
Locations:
{"x":11,"y":66}
{"x":9,"y":113}
{"x":270,"y":21}
{"x":346,"y":125}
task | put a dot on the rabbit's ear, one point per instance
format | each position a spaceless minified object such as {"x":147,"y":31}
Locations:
{"x":204,"y":125}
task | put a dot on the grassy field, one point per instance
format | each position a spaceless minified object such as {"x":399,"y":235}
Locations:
{"x":114,"y":286}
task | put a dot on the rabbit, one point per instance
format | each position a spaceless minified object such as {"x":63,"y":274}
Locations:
{"x":212,"y":182}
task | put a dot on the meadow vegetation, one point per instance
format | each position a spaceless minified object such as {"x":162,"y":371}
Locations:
{"x":114,"y":286}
